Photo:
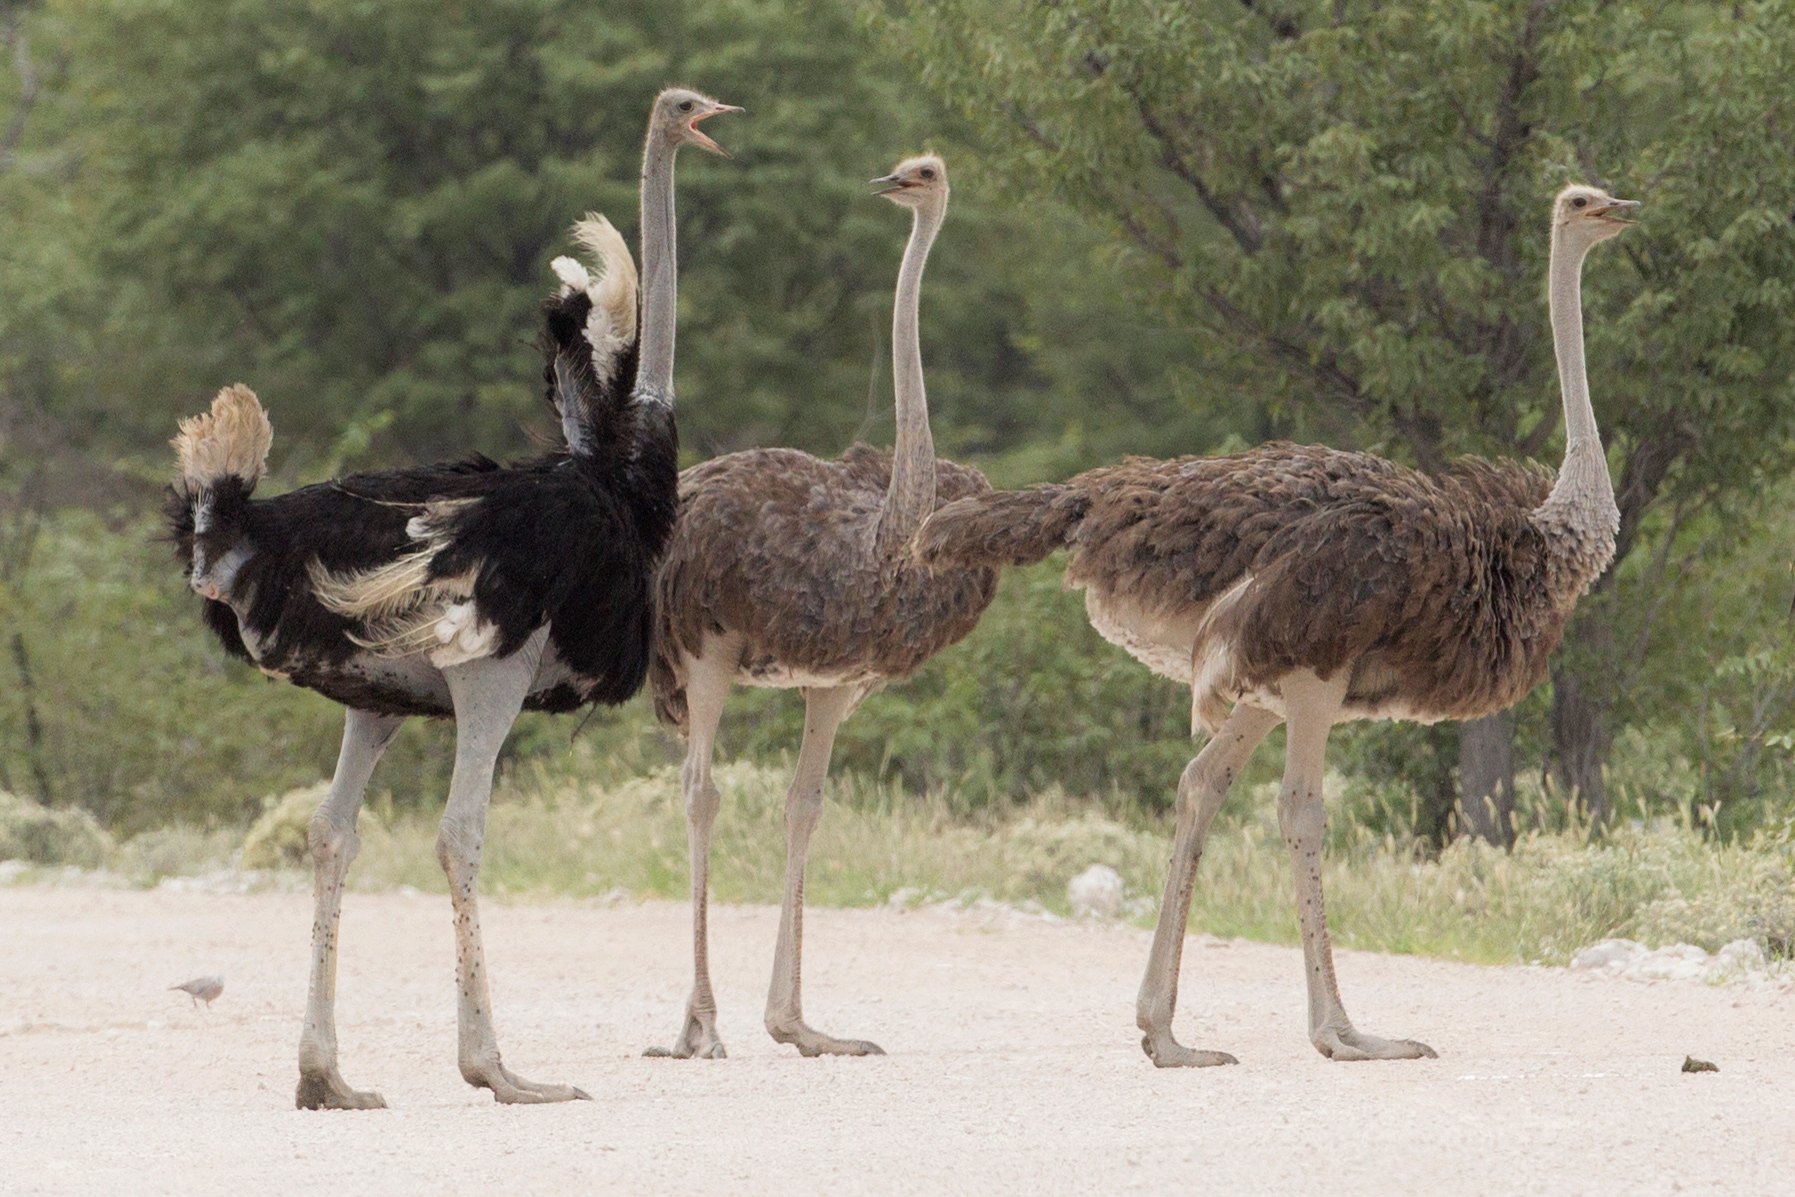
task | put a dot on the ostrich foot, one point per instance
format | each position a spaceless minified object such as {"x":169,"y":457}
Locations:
{"x":325,"y":1089}
{"x":814,"y":1043}
{"x":698,"y":1041}
{"x":510,"y":1089}
{"x":1167,"y":1052}
{"x":1344,"y":1043}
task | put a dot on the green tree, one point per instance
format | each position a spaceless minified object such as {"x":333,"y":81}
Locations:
{"x":1343,"y":204}
{"x":351,"y":206}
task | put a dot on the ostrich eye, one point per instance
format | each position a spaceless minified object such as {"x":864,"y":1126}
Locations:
{"x":928,"y":172}
{"x":1579,"y":202}
{"x":685,"y":105}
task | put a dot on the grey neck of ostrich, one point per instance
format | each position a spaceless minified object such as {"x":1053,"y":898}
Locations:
{"x":1579,"y":517}
{"x":660,"y":270}
{"x":911,"y":497}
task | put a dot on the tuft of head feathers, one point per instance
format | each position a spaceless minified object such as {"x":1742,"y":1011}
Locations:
{"x":230,"y":441}
{"x":611,"y":325}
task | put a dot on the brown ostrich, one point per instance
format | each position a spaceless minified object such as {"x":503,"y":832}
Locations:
{"x":785,"y":570}
{"x":1299,"y":584}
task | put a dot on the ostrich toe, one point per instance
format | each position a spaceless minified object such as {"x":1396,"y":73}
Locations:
{"x":325,"y":1089}
{"x":811,"y":1042}
{"x":1348,"y":1044}
{"x":1167,"y":1052}
{"x":510,"y":1089}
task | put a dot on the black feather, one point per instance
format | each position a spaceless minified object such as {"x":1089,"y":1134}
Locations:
{"x":569,"y":540}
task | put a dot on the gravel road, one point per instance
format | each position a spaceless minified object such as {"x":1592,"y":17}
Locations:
{"x":1014,"y":1066}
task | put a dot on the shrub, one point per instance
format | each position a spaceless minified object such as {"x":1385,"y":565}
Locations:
{"x":48,"y":836}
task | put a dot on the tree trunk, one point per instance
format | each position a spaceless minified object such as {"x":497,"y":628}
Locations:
{"x":1486,"y":772}
{"x":1579,"y":744}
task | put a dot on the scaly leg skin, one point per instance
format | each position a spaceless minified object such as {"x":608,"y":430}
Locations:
{"x":1311,"y":706}
{"x":824,"y":709}
{"x":707,"y":685}
{"x":1200,"y":793}
{"x":488,"y":694}
{"x":334,"y":845}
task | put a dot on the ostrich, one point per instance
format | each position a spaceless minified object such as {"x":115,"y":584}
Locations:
{"x":788,"y":571}
{"x":465,"y":590}
{"x":1303,"y":585}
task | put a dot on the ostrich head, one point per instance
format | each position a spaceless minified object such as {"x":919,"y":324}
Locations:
{"x":915,"y":182}
{"x":1587,"y":215}
{"x":677,"y":113}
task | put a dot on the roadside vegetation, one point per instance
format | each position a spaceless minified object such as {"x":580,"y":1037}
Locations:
{"x":559,"y":832}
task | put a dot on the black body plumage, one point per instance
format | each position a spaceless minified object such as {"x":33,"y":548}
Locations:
{"x":568,"y":540}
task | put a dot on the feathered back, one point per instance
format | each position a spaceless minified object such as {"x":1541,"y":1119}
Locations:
{"x":589,"y":342}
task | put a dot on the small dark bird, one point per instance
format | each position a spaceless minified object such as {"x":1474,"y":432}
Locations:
{"x":1691,"y":1064}
{"x":201,"y":989}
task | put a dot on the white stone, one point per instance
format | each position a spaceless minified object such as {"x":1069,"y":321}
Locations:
{"x":1096,"y":893}
{"x":1678,"y":962}
{"x":1609,"y":951}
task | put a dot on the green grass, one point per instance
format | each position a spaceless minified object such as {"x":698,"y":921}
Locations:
{"x":582,"y":832}
{"x":1553,"y":894}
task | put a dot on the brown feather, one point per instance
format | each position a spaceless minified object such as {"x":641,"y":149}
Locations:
{"x":774,"y":545}
{"x":1434,"y":590}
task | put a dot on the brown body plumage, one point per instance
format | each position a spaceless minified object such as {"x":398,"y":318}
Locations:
{"x":1301,"y":585}
{"x":772,"y":549}
{"x":785,"y":570}
{"x":1437,"y":592}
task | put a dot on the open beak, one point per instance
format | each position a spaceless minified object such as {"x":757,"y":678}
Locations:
{"x":698,"y":135}
{"x":1620,"y":211}
{"x":887,"y":184}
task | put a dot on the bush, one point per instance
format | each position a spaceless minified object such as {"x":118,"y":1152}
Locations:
{"x":280,"y":839}
{"x":47,"y":836}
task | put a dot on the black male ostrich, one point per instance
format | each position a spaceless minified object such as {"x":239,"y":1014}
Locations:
{"x":465,"y":590}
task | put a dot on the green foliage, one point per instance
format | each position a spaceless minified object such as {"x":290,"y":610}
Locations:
{"x":40,"y":835}
{"x":351,"y":206}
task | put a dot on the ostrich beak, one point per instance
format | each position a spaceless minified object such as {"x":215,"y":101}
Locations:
{"x":887,"y":184}
{"x":698,"y":135}
{"x":1619,"y":212}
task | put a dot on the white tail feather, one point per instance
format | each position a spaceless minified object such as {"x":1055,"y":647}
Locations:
{"x":401,"y":609}
{"x":612,"y":325}
{"x":573,"y":275}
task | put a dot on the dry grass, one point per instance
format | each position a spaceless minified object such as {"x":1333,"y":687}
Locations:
{"x":551,"y":834}
{"x":1548,"y":897}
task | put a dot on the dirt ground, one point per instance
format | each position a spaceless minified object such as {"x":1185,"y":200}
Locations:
{"x":1014,"y":1066}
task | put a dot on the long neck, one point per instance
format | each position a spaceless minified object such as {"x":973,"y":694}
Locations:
{"x":660,"y":270}
{"x":911,"y":497}
{"x":1579,"y":516}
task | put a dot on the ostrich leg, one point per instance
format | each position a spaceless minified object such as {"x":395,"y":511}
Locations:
{"x":334,"y":845}
{"x":1200,"y":793}
{"x":824,"y":709}
{"x":1310,"y":708}
{"x":488,"y":693}
{"x":707,"y":685}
